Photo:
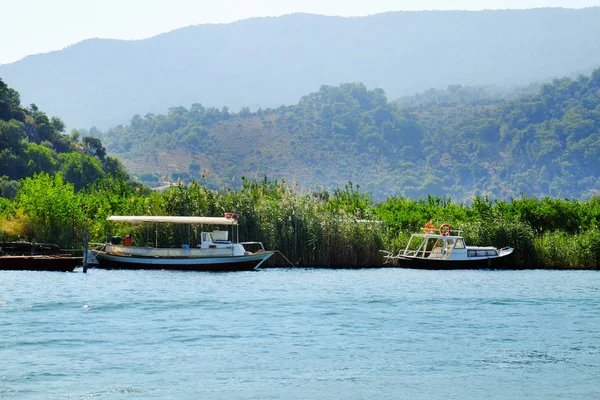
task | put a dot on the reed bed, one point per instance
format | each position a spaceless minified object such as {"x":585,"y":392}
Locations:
{"x":560,"y":250}
{"x":343,"y":228}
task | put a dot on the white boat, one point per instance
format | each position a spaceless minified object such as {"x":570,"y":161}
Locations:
{"x":214,"y":252}
{"x":444,"y":250}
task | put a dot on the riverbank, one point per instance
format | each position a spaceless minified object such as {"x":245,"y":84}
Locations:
{"x":343,"y":228}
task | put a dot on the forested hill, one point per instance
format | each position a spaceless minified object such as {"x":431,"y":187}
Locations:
{"x":267,"y":62}
{"x":32,"y":143}
{"x":547,"y":143}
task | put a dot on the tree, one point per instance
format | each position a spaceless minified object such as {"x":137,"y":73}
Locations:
{"x":12,"y":134}
{"x":93,"y":146}
{"x":57,"y":124}
{"x":52,"y":207}
{"x":75,"y":135}
{"x":8,"y":188}
{"x":11,"y":165}
{"x":9,"y":100}
{"x":80,"y":169}
{"x":115,"y":167}
{"x":39,"y":159}
{"x":45,"y":128}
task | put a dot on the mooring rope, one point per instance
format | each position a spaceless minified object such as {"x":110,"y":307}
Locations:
{"x":285,"y":258}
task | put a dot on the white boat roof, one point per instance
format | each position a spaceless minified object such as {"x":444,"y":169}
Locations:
{"x":173,"y":220}
{"x":435,"y":235}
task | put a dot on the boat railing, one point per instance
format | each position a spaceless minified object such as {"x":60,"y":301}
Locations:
{"x":422,"y":253}
{"x":29,"y":248}
{"x":168,"y":252}
{"x":389,"y":257}
{"x":248,"y":245}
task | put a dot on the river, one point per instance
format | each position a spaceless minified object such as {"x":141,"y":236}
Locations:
{"x":300,"y":334}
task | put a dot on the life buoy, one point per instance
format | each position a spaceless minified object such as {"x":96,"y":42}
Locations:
{"x":429,"y":228}
{"x":231,"y":216}
{"x":445,"y":229}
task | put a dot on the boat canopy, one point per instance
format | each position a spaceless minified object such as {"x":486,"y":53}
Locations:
{"x":173,"y":220}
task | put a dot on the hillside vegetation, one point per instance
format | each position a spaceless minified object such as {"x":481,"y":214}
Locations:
{"x":32,"y":143}
{"x":267,"y":62}
{"x":459,"y":143}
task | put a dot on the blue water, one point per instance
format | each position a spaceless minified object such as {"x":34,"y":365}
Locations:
{"x":300,"y":334}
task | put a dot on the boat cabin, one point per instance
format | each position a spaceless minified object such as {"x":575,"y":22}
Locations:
{"x":211,"y":240}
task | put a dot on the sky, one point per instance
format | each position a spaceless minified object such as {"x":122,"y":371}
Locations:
{"x":39,"y":26}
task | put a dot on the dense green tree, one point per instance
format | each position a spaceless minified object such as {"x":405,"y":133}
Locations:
{"x":11,"y":164}
{"x":80,"y":169}
{"x":12,"y":134}
{"x":9,"y":188}
{"x":39,"y":159}
{"x":51,"y":206}
{"x":93,"y":146}
{"x":115,"y":167}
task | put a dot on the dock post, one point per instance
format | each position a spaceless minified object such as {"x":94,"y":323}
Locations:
{"x":85,"y":250}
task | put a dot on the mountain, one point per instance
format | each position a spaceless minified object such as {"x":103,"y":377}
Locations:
{"x":266,"y":62}
{"x":459,"y":142}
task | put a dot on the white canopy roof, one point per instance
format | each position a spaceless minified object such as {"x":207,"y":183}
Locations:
{"x":174,"y":220}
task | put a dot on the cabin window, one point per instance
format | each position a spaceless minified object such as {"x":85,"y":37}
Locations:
{"x":460,"y":244}
{"x":482,"y":253}
{"x":413,"y":246}
{"x":436,"y":251}
{"x":219,"y":236}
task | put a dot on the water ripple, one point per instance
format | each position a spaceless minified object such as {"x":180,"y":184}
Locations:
{"x":297,"y":333}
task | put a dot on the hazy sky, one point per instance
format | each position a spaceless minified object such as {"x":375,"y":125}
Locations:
{"x":39,"y":26}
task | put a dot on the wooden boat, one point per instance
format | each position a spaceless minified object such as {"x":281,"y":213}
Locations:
{"x":25,"y":256}
{"x":214,"y":252}
{"x":444,"y":250}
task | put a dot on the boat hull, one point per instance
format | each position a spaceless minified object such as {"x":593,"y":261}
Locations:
{"x":39,"y":263}
{"x":217,"y":264}
{"x":499,"y":262}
